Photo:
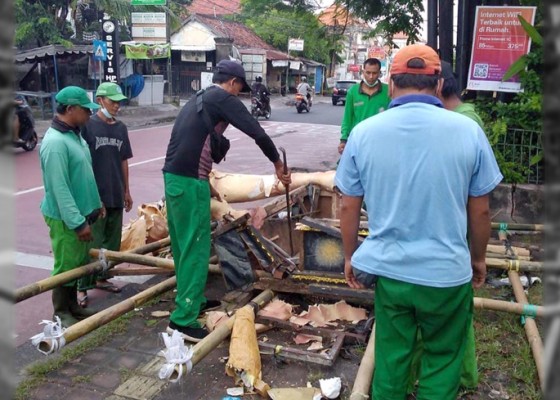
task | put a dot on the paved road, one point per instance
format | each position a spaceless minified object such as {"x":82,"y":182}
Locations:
{"x":308,"y":146}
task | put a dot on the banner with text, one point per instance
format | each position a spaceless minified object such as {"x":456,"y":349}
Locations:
{"x":499,"y":40}
{"x":142,"y":51}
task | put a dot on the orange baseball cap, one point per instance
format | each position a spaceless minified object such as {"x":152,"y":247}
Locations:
{"x":421,"y":51}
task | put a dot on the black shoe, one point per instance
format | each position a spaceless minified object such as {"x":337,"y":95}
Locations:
{"x":194,"y":335}
{"x":210,"y":304}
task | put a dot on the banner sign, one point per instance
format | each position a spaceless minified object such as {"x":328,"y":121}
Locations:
{"x":142,"y":51}
{"x":499,"y":40}
{"x":295,"y":44}
{"x":376,"y":52}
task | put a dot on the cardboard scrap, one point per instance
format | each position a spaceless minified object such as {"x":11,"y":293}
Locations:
{"x":277,"y":309}
{"x":307,"y":393}
{"x":315,"y":346}
{"x":303,"y":338}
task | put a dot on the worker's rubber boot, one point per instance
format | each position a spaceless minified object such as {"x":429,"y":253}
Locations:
{"x":62,"y":307}
{"x":76,"y":310}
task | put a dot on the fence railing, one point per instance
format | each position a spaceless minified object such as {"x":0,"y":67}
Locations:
{"x":518,"y":149}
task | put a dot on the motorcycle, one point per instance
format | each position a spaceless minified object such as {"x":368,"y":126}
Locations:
{"x":28,"y":138}
{"x":302,"y":103}
{"x":258,"y":109}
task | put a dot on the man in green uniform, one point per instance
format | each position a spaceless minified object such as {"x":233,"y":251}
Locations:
{"x":364,"y":100}
{"x":71,"y":203}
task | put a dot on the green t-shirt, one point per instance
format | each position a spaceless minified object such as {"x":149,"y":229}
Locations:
{"x":70,"y":188}
{"x":468,"y":110}
{"x":360,"y":106}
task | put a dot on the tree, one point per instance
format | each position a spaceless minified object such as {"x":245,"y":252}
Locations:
{"x":43,"y":22}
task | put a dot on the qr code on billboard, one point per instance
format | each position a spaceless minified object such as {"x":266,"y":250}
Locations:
{"x":480,"y":71}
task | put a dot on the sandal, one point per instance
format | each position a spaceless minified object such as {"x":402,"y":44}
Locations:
{"x":83,"y":301}
{"x":107,"y":286}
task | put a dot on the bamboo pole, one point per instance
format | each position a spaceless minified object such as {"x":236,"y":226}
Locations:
{"x":514,"y":265}
{"x":507,"y":306}
{"x":119,"y":256}
{"x":519,"y":227}
{"x":530,"y":326}
{"x":500,"y":249}
{"x":362,"y":385}
{"x":218,"y":335}
{"x":103,"y":317}
{"x":51,"y":282}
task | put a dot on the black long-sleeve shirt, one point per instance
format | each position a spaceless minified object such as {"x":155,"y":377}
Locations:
{"x":188,"y":152}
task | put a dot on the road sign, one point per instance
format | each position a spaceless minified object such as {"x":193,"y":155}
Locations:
{"x":148,"y":2}
{"x":99,"y":50}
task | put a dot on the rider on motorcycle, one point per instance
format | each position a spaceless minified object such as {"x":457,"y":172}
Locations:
{"x":261,"y":92}
{"x":304,"y":89}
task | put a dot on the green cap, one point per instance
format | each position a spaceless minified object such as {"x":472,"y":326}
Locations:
{"x":110,"y":90}
{"x":75,"y":96}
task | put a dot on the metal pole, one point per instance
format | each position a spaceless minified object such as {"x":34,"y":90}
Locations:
{"x":461,"y":63}
{"x":432,"y":24}
{"x":446,"y":30}
{"x":55,"y":72}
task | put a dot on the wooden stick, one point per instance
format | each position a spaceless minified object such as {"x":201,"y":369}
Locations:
{"x":103,"y":317}
{"x":530,"y":326}
{"x":362,"y":385}
{"x":49,"y":283}
{"x":218,"y":335}
{"x":514,"y":265}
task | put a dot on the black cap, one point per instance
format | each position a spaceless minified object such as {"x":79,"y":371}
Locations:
{"x":446,"y":70}
{"x":233,"y":68}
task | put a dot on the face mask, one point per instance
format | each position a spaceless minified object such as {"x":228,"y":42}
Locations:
{"x":106,"y":112}
{"x":374,"y":84}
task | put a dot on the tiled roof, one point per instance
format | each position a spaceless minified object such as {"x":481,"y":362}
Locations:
{"x":214,"y":7}
{"x":243,"y":37}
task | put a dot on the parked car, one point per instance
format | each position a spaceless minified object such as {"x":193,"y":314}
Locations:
{"x":339,"y":91}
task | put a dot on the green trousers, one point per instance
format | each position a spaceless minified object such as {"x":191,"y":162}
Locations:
{"x":442,"y":315}
{"x":469,"y":368}
{"x":107,"y":233}
{"x":188,"y":216}
{"x":69,"y":252}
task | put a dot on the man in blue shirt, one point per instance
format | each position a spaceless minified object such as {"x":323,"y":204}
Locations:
{"x":425,"y":174}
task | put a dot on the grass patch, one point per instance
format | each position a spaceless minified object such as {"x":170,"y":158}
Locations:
{"x":125,"y":374}
{"x":505,"y":361}
{"x":81,"y":379}
{"x":36,"y":373}
{"x":151,"y":322}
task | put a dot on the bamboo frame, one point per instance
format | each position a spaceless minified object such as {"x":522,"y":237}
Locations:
{"x":49,"y":283}
{"x":530,"y":326}
{"x":103,"y":317}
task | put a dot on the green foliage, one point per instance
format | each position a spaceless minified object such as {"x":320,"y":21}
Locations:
{"x":265,"y":18}
{"x":391,"y":17}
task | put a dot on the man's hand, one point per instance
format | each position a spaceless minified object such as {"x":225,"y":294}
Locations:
{"x":286,"y":179}
{"x":341,"y":147}
{"x":84,"y":234}
{"x":128,"y":202}
{"x":479,"y":273}
{"x":103,"y":211}
{"x":350,"y":278}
